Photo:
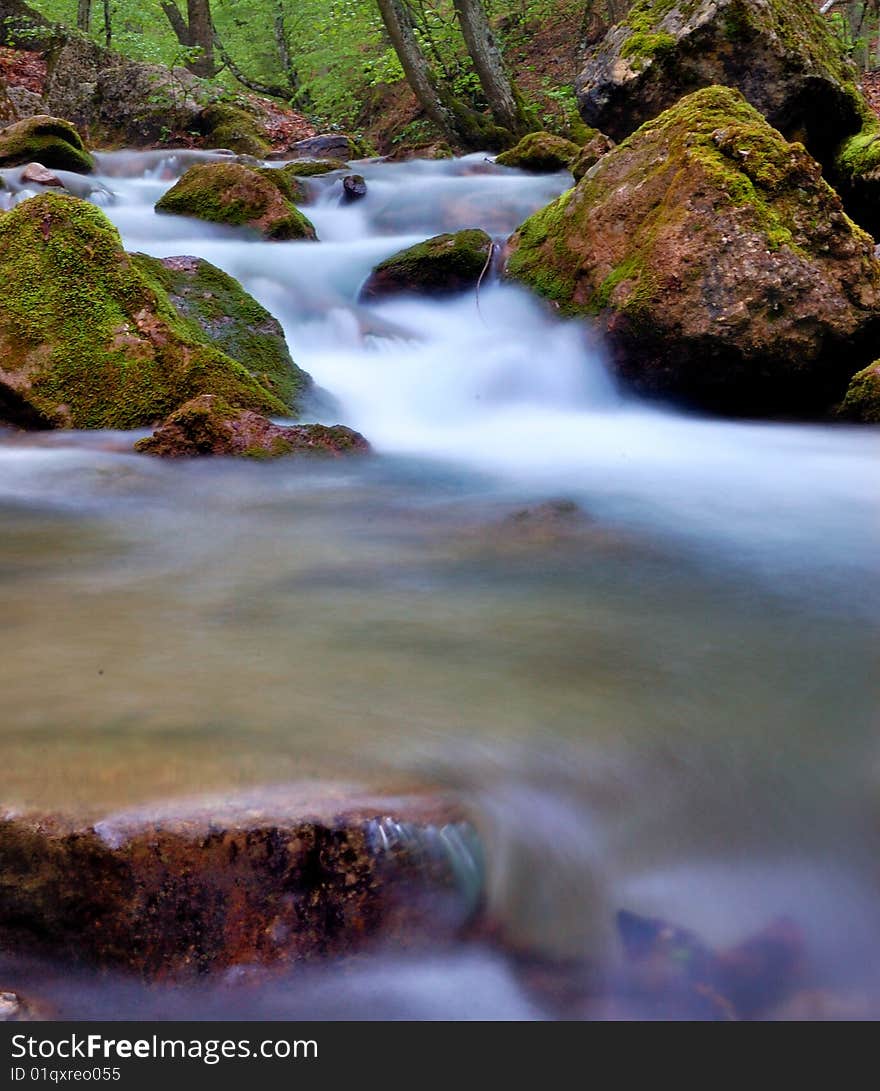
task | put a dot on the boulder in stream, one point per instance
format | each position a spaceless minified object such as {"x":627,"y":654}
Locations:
{"x":862,"y":400}
{"x":47,"y":141}
{"x":327,"y":146}
{"x":717,"y":260}
{"x":540,"y":153}
{"x":442,"y":265}
{"x":282,"y":875}
{"x":209,"y":425}
{"x":781,"y":54}
{"x":241,"y":196}
{"x":89,"y":337}
{"x":354,"y":188}
{"x":309,"y":168}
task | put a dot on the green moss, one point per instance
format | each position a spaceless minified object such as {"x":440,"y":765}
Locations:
{"x":540,"y":152}
{"x":227,"y":126}
{"x":216,"y":307}
{"x":642,"y":45}
{"x":47,"y":140}
{"x":860,"y":154}
{"x":98,"y":343}
{"x":444,"y":263}
{"x":712,"y":144}
{"x":231,"y":193}
{"x":308,"y":168}
{"x":862,"y":401}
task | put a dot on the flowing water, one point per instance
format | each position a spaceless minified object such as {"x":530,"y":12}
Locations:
{"x":641,"y":644}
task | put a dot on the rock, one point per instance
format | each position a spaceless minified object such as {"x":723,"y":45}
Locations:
{"x":228,"y":126}
{"x":209,"y":425}
{"x":780,"y":54}
{"x":231,"y":193}
{"x":88,"y":335}
{"x":279,"y":876}
{"x":219,"y":311}
{"x":354,"y":188}
{"x":37,"y":173}
{"x":862,"y":400}
{"x":53,"y":143}
{"x":596,"y":145}
{"x":442,"y":265}
{"x":15,"y":1009}
{"x":326,"y":146}
{"x":541,"y":153}
{"x":717,"y":261}
{"x":308,"y":168}
{"x":856,"y":173}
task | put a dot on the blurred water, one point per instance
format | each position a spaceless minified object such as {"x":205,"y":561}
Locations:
{"x":665,"y":699}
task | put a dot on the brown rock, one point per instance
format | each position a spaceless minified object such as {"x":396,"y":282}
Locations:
{"x":37,"y":173}
{"x":208,"y":425}
{"x":281,"y":875}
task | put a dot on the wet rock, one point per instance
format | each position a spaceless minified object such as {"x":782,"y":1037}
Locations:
{"x":717,"y":261}
{"x":208,"y":425}
{"x":37,"y":173}
{"x":53,"y":143}
{"x":540,"y":153}
{"x":442,"y":265}
{"x":780,"y":54}
{"x":671,"y":972}
{"x":326,"y":146}
{"x":856,"y":173}
{"x":88,"y":335}
{"x":221,"y":312}
{"x":597,"y":145}
{"x":308,"y":168}
{"x":354,"y":188}
{"x":280,"y":876}
{"x":231,"y":193}
{"x":862,"y":400}
{"x":14,"y":1008}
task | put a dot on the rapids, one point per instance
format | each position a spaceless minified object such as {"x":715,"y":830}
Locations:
{"x":664,"y":699}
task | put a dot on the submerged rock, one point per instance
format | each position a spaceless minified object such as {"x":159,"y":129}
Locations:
{"x":780,"y":54}
{"x":862,"y":400}
{"x":231,"y":193}
{"x":541,"y":153}
{"x":717,"y":260}
{"x":442,"y":265}
{"x":47,"y":141}
{"x":209,"y":425}
{"x":283,"y":875}
{"x":39,"y":175}
{"x":89,"y":337}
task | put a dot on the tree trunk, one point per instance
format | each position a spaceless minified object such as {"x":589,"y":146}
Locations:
{"x":108,"y":25}
{"x":84,"y":15}
{"x":504,"y":102}
{"x":196,"y":31}
{"x":454,"y":118}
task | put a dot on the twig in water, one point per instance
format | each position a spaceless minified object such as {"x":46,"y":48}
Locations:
{"x":480,"y":281}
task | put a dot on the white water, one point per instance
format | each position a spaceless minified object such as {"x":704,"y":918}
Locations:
{"x":673,"y":712}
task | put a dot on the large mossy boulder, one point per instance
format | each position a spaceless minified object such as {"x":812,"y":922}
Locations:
{"x":716,"y":258}
{"x":442,"y":265}
{"x":862,"y":400}
{"x":780,"y":54}
{"x":89,"y":337}
{"x":209,"y":425}
{"x":219,"y":310}
{"x":241,"y":196}
{"x":540,"y":153}
{"x":47,"y":140}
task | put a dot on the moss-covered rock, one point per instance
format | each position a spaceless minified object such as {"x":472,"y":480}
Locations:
{"x":209,"y":425}
{"x":856,"y":173}
{"x":217,"y":309}
{"x":308,"y":168}
{"x":88,"y":335}
{"x":780,"y":54}
{"x":327,"y":146}
{"x":231,"y":193}
{"x":47,"y":140}
{"x":443,"y":265}
{"x":718,"y":261}
{"x":862,"y":400}
{"x":228,"y":126}
{"x":595,"y":145}
{"x":541,"y":153}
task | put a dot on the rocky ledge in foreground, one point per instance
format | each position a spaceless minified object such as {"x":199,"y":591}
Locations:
{"x":209,"y":425}
{"x":274,"y":876}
